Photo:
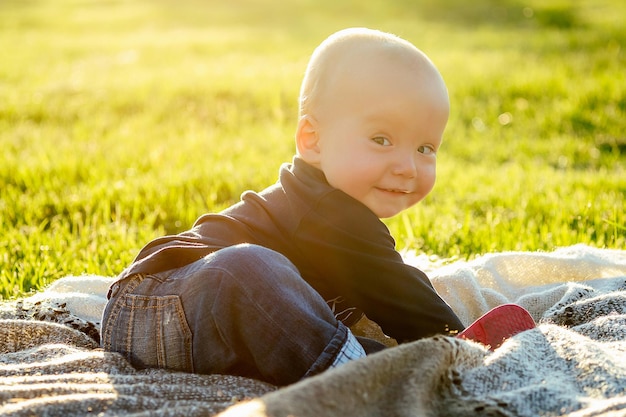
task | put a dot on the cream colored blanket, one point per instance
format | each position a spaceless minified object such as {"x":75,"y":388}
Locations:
{"x":573,"y":364}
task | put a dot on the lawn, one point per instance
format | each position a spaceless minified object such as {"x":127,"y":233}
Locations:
{"x":121,"y":121}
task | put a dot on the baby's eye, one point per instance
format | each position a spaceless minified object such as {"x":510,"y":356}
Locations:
{"x":382,"y":141}
{"x":426,"y":150}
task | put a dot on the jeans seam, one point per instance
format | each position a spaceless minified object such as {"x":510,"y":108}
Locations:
{"x":160,"y":356}
{"x":188,"y":342}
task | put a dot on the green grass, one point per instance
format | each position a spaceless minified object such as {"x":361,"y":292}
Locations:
{"x":121,"y":121}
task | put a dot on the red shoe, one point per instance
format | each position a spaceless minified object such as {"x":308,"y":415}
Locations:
{"x":498,"y":324}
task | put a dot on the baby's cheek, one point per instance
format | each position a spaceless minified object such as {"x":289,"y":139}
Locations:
{"x":426,"y":185}
{"x":428,"y":177}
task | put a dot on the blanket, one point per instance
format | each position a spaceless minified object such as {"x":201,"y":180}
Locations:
{"x":573,"y":363}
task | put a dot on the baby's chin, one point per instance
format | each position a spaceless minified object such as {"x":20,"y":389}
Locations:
{"x":386,"y":211}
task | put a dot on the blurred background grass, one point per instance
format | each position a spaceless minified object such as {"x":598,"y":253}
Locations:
{"x":121,"y":121}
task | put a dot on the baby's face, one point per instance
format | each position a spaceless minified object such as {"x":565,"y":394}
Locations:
{"x":379,"y":131}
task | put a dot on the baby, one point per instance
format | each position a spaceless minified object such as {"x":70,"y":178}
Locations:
{"x":269,"y":287}
{"x":373,"y":109}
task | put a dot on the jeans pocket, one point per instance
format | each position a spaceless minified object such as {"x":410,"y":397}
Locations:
{"x":152,"y":332}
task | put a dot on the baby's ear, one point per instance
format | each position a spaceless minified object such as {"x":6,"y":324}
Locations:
{"x":307,"y":140}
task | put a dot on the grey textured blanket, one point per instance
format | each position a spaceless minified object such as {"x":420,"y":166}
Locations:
{"x":48,"y":369}
{"x":550,"y":371}
{"x":573,"y":364}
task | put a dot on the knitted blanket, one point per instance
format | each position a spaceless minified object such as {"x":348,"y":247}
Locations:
{"x":573,"y":363}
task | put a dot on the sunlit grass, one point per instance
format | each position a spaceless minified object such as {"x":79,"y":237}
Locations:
{"x":122,"y":121}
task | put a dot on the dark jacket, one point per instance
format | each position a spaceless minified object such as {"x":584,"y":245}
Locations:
{"x":339,"y":246}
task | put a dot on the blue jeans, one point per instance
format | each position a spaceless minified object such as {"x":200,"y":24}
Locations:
{"x":243,"y":310}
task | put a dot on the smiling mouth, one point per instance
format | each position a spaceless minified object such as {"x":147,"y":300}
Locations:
{"x":394,"y":191}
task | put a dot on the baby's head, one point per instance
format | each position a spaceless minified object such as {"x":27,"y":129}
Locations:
{"x":373,"y":109}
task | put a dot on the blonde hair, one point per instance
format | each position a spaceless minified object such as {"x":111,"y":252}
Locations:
{"x":332,"y":52}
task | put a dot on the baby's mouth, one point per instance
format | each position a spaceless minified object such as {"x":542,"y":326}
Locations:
{"x":394,"y":190}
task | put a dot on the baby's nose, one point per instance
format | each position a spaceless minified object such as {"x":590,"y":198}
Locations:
{"x":405,"y":166}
